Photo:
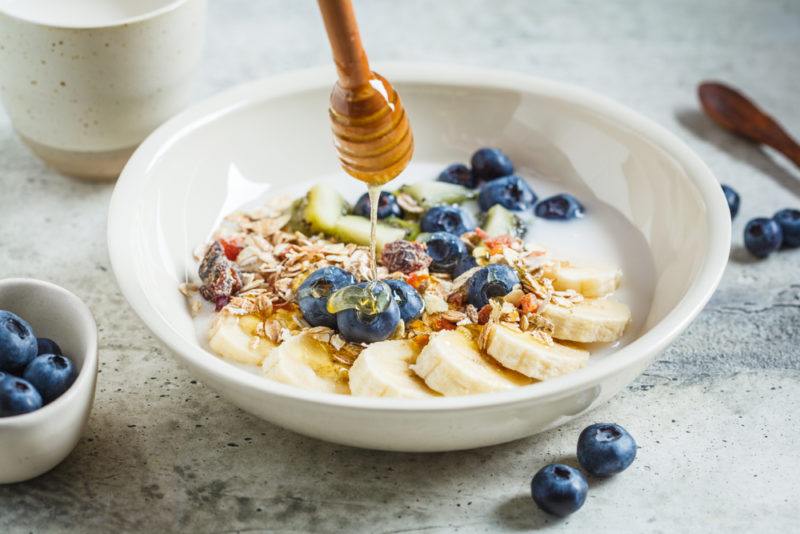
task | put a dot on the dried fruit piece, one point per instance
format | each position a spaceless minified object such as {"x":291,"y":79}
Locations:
{"x":221,"y":277}
{"x":405,"y":256}
{"x":231,"y":249}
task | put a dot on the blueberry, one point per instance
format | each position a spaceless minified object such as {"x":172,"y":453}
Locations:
{"x":18,"y":396}
{"x":313,"y":293}
{"x":387,"y":206}
{"x":51,"y":375}
{"x":511,"y":192}
{"x":464,"y":264}
{"x":408,"y":300}
{"x":492,"y":281}
{"x":762,"y":237}
{"x":358,"y":327}
{"x":559,"y":489}
{"x":733,"y":199}
{"x":458,"y":174}
{"x":447,"y":219}
{"x":490,"y":163}
{"x":445,"y":250}
{"x":789,"y":221}
{"x":47,"y":346}
{"x":17,"y":343}
{"x":605,"y":449}
{"x":559,"y":207}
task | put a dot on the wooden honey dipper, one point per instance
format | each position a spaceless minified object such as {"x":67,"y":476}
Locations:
{"x":370,"y":126}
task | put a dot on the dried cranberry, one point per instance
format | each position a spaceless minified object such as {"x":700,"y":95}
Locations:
{"x":405,"y":256}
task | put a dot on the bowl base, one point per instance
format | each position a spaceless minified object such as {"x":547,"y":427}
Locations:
{"x":94,"y":166}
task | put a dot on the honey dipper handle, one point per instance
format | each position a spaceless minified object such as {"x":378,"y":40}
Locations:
{"x":348,"y":53}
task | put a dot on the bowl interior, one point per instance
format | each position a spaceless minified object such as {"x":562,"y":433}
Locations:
{"x":238,"y":147}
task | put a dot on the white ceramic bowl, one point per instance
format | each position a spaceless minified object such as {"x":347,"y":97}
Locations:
{"x":224,"y":151}
{"x":35,"y":442}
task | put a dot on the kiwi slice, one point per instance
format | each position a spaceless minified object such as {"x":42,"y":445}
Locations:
{"x":431,"y":193}
{"x":411,"y":227}
{"x":356,"y":229}
{"x":323,"y":208}
{"x":500,"y":221}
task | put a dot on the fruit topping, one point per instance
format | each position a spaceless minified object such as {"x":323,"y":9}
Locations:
{"x":492,"y":281}
{"x":356,"y":229}
{"x":445,"y":250}
{"x":561,"y":207}
{"x":490,"y":163}
{"x":450,"y":219}
{"x":221,"y":277}
{"x":314,"y":292}
{"x":408,"y":300}
{"x":511,"y":192}
{"x":367,"y":321}
{"x":323,"y":208}
{"x":387,"y":206}
{"x":231,"y":249}
{"x":405,"y":256}
{"x":429,"y":193}
{"x":500,"y":221}
{"x":458,"y":174}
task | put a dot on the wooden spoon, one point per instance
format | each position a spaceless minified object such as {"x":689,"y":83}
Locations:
{"x":738,"y":114}
{"x":370,"y":127}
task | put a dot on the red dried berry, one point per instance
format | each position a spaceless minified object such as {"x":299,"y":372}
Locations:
{"x":405,"y":256}
{"x":231,"y":249}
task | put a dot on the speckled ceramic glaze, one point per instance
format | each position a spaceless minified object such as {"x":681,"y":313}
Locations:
{"x":174,"y":191}
{"x":35,"y":442}
{"x":84,"y":94}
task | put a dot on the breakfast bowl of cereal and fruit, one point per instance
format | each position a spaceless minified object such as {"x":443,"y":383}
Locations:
{"x":541,"y":248}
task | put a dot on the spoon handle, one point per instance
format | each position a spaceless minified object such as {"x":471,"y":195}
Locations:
{"x":352,"y":66}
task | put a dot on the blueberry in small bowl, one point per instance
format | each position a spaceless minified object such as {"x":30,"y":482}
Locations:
{"x":732,"y":197}
{"x":47,"y":346}
{"x":789,"y":221}
{"x":359,"y":326}
{"x":51,"y":375}
{"x":17,"y":342}
{"x":408,"y":300}
{"x":458,"y":174}
{"x":762,"y":237}
{"x":559,"y":489}
{"x":605,"y":449}
{"x":313,"y":293}
{"x":492,"y":281}
{"x":387,"y":206}
{"x":562,"y":207}
{"x":445,"y":250}
{"x":490,"y":163}
{"x":511,"y":192}
{"x":450,"y":219}
{"x":18,"y":396}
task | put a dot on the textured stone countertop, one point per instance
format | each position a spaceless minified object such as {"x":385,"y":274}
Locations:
{"x":716,"y":416}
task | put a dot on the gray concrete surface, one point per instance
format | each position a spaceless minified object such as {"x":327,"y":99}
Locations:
{"x":716,"y":416}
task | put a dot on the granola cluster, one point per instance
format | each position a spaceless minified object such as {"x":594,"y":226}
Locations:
{"x":255,"y":264}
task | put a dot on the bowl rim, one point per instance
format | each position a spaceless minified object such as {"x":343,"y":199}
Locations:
{"x":88,"y":372}
{"x":122,"y":220}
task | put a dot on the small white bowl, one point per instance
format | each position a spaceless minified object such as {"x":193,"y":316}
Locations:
{"x":35,"y":442}
{"x":230,"y":149}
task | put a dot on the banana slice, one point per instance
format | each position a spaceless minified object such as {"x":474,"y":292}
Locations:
{"x":589,"y":321}
{"x":230,"y":337}
{"x":452,"y":365}
{"x":527,"y":355}
{"x":383,"y":370}
{"x":304,"y":362}
{"x":591,"y":282}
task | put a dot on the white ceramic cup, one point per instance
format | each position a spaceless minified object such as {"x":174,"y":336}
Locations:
{"x":85,"y":81}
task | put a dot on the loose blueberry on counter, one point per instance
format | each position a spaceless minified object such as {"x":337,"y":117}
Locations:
{"x":492,"y":281}
{"x":605,"y":449}
{"x":313,"y":293}
{"x":561,"y":207}
{"x":358,"y":327}
{"x":464,"y":264}
{"x":408,"y":300}
{"x":18,"y":396}
{"x":450,"y":219}
{"x":559,"y":489}
{"x":733,"y":199}
{"x":490,"y":163}
{"x":47,"y":346}
{"x":789,"y":221}
{"x":445,"y":251}
{"x":458,"y":174}
{"x":17,"y":343}
{"x":511,"y":192}
{"x":387,"y":206}
{"x":51,"y":375}
{"x":762,"y":237}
